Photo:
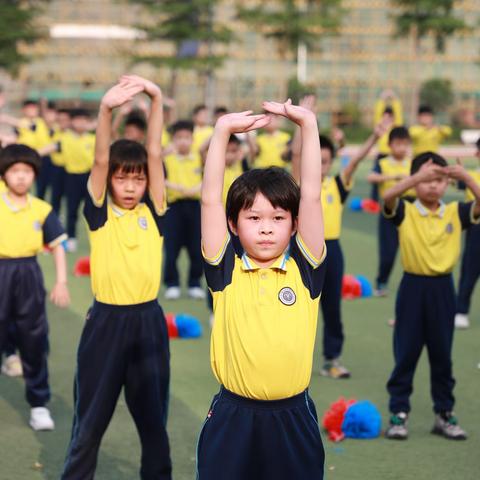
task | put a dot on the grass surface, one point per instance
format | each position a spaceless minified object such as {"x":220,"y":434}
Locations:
{"x":27,"y":455}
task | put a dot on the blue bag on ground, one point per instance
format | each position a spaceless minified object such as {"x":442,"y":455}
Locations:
{"x":362,"y":420}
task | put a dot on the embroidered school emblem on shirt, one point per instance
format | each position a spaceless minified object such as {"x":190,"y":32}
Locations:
{"x":142,"y":222}
{"x":37,"y":226}
{"x":330,"y":198}
{"x":449,"y":228}
{"x":287,"y":296}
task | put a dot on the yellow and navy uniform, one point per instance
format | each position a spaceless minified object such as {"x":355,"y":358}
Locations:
{"x":58,"y":157}
{"x":396,"y":106}
{"x":166,"y":138}
{"x":475,"y":174}
{"x":184,"y":170}
{"x":26,"y":229}
{"x":271,"y":148}
{"x":334,"y":194}
{"x":200,"y":136}
{"x":430,"y":241}
{"x":391,"y":167}
{"x":78,"y":151}
{"x":33,"y":133}
{"x":428,"y":139}
{"x":232,"y":172}
{"x":265,"y":320}
{"x":126,"y":250}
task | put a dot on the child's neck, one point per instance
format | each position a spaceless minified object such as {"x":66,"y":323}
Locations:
{"x":433,"y":206}
{"x":17,"y":199}
{"x":399,"y":159}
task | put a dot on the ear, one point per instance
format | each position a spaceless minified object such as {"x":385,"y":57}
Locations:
{"x":294,"y":226}
{"x":232,"y":227}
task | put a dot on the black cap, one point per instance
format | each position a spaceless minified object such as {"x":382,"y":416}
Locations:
{"x":18,"y":153}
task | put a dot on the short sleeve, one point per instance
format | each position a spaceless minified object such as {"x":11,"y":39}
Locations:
{"x":343,"y":188}
{"x":95,"y":213}
{"x":219,"y":269}
{"x":377,"y":168}
{"x":158,"y":212}
{"x":312,"y":270}
{"x":465,"y":213}
{"x":397,"y":214}
{"x":53,"y":231}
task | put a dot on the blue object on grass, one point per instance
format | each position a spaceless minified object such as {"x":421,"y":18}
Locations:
{"x":365,"y":285}
{"x":356,"y":204}
{"x":188,"y":326}
{"x":362,"y":420}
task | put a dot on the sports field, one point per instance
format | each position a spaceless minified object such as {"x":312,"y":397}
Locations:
{"x":26,"y":455}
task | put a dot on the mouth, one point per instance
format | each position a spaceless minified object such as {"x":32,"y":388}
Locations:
{"x":266,"y":244}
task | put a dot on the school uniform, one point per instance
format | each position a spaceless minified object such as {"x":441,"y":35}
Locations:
{"x":182,"y":227}
{"x":387,"y":232}
{"x":263,"y":424}
{"x":200,"y":136}
{"x":425,"y":305}
{"x":334,"y":194}
{"x":78,"y":152}
{"x":23,"y":233}
{"x":124,"y":343}
{"x":270,"y":149}
{"x":470,"y":269}
{"x":428,"y":139}
{"x":58,"y":174}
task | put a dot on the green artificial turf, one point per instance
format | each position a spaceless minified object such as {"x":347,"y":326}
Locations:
{"x":26,"y":455}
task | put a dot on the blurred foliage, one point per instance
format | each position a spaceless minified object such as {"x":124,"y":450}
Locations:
{"x":437,"y":93}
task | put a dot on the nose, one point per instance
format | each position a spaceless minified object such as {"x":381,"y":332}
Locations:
{"x":266,"y":227}
{"x":129,"y":186}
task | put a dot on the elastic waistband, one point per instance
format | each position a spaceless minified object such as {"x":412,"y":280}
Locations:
{"x":138,"y":306}
{"x":283,"y":403}
{"x":19,"y":260}
{"x":427,"y":277}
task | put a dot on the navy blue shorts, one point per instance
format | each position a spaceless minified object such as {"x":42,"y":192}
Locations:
{"x":244,"y":439}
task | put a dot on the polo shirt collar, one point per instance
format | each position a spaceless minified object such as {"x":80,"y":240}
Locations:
{"x":119,"y":211}
{"x":15,"y":208}
{"x":424,"y":212}
{"x":280,"y":263}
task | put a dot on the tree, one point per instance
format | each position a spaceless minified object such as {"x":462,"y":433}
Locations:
{"x":191,"y":27}
{"x":17,"y":25}
{"x":437,"y":93}
{"x":296,"y":25}
{"x":419,"y":19}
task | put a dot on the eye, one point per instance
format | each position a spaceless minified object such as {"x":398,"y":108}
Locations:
{"x":253,"y":217}
{"x":279,"y":218}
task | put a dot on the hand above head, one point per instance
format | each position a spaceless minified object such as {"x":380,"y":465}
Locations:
{"x":120,"y":94}
{"x":382,"y":128}
{"x":457,"y":171}
{"x":297,"y":114}
{"x":429,"y":171}
{"x":308,"y":102}
{"x":241,"y":122}
{"x":150,"y":88}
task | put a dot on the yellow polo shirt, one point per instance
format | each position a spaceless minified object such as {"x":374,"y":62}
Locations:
{"x":430,"y":242}
{"x":200,"y":136}
{"x":232,"y":172}
{"x":382,"y":143}
{"x":265,"y":320}
{"x":428,"y":139}
{"x":126,"y":250}
{"x":475,"y":174}
{"x":334,"y":194}
{"x":33,"y":133}
{"x":58,"y":157}
{"x":78,"y":151}
{"x":390,"y":166}
{"x":184,"y":170}
{"x":271,"y":148}
{"x":26,"y":229}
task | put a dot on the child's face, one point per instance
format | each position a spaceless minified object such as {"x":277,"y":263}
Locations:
{"x":399,"y":148}
{"x":50,"y":116}
{"x":327,"y":161}
{"x":63,"y":120}
{"x":234,"y":153}
{"x":134,"y":133}
{"x":274,"y":123}
{"x":433,"y":191}
{"x":426,"y":119}
{"x":264,"y":231}
{"x":201,"y":117}
{"x":19,"y":178}
{"x":128,"y":189}
{"x":80,"y":124}
{"x":30,"y":111}
{"x":182,"y":140}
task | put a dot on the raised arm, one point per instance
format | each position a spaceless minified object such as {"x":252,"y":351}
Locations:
{"x":310,"y":214}
{"x":121,"y":93}
{"x":457,"y":172}
{"x":214,"y":222}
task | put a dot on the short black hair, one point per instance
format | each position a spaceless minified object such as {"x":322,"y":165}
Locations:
{"x":65,"y":111}
{"x":29,"y":101}
{"x":198,"y":108}
{"x":477,"y":143}
{"x":220,"y":109}
{"x":398,"y":133}
{"x":277,"y":185}
{"x":51,"y":105}
{"x":18,"y":153}
{"x":326,"y":143}
{"x":79,"y":112}
{"x":388,"y":110}
{"x":181,"y":125}
{"x":128,"y":156}
{"x":425,"y":109}
{"x":136,"y":120}
{"x":423,"y":158}
{"x":234,"y":139}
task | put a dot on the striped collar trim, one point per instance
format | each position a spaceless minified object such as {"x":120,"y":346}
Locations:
{"x":424,"y":212}
{"x":120,"y":212}
{"x":12,"y":206}
{"x":279,"y":264}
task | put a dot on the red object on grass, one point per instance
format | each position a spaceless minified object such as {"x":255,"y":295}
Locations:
{"x":82,"y":267}
{"x":351,"y":287}
{"x":171,"y":325}
{"x":370,"y":206}
{"x":333,"y":418}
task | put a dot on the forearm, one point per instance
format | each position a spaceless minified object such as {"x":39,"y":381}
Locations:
{"x":103,"y":136}
{"x":352,"y":166}
{"x":155,"y":127}
{"x":392,"y":194}
{"x":296,"y":153}
{"x":311,"y":163}
{"x":60,"y":260}
{"x":376,"y":178}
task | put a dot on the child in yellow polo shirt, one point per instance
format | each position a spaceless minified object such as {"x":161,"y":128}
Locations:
{"x":27,"y":224}
{"x":263,"y":424}
{"x":124,"y":344}
{"x":385,"y":174}
{"x":427,"y":136}
{"x":430,"y":234}
{"x":182,"y":228}
{"x":202,"y":131}
{"x":470,"y":270}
